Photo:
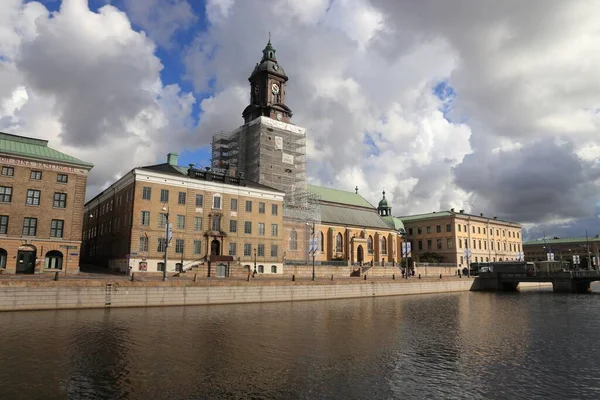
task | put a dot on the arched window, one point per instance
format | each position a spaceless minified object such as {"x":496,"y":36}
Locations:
{"x":321,"y":241}
{"x":3,"y":256}
{"x":160,"y":266}
{"x":293,"y":240}
{"x":273,"y":269}
{"x":370,"y":244}
{"x":338,"y":243}
{"x":261,"y":269}
{"x":383,"y":245}
{"x":54,"y":260}
{"x":492,"y":244}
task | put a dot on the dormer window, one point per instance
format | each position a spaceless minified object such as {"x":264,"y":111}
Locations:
{"x":216,"y":204}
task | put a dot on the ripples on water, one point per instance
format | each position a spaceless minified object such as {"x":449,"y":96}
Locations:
{"x":456,"y":346}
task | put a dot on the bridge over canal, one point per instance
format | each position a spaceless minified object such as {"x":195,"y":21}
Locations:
{"x":569,"y":282}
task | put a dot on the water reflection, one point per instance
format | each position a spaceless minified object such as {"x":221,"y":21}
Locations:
{"x":465,"y":345}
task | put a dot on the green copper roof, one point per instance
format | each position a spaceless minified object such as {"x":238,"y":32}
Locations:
{"x":426,"y":216}
{"x":35,"y":148}
{"x":439,"y":214}
{"x":393,"y":222}
{"x":269,"y":52}
{"x":339,"y":196}
{"x":560,"y":241}
{"x":339,"y":215}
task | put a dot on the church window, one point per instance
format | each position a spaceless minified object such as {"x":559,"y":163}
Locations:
{"x":370,"y":244}
{"x":321,"y":241}
{"x":338,"y":243}
{"x":383,"y":245}
{"x":293,"y":240}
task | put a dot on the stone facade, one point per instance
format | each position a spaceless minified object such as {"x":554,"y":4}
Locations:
{"x":41,"y":205}
{"x":215,"y":220}
{"x":450,"y":233}
{"x":575,"y":252}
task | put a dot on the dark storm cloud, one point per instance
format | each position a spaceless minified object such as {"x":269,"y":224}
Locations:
{"x":539,"y":182}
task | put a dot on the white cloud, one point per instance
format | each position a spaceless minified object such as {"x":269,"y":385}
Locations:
{"x":362,"y":73}
{"x":89,"y":84}
{"x":161,"y":18}
{"x":361,"y":67}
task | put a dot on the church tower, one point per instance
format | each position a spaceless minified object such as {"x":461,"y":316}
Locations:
{"x":267,"y":89}
{"x":268,"y":149}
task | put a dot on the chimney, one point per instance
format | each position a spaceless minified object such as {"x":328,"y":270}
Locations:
{"x":481,"y":214}
{"x":462,"y":211}
{"x":172,"y":159}
{"x":452,"y":209}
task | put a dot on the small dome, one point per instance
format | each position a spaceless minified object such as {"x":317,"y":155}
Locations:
{"x":270,"y":66}
{"x":383,"y":203}
{"x":269,"y":62}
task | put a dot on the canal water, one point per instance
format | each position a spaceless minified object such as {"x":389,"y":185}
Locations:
{"x":533,"y":344}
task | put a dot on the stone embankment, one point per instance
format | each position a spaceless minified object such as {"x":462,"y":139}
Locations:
{"x":37,"y":294}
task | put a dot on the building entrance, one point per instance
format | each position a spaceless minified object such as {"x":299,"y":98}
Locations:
{"x":26,"y":261}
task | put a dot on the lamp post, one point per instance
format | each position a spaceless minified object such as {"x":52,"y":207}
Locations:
{"x":166,"y":209}
{"x":404,"y":251}
{"x":312,"y":247}
{"x":467,"y":251}
{"x":254,"y":273}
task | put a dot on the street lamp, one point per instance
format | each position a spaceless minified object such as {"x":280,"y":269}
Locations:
{"x":312,"y":247}
{"x":166,"y":210}
{"x":404,"y":251}
{"x":254,"y":273}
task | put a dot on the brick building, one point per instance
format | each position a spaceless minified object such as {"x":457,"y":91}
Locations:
{"x":42,"y":192}
{"x":582,"y":252}
{"x":219,"y":222}
{"x":461,"y":238}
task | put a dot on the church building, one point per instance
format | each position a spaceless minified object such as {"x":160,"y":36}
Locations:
{"x":270,"y":150}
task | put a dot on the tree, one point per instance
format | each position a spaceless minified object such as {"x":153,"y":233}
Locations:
{"x":431,"y":257}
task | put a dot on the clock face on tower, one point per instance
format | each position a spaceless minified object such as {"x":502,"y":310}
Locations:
{"x":275,"y":88}
{"x":279,"y":116}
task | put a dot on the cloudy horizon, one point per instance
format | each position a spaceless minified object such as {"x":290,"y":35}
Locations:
{"x":491,"y":107}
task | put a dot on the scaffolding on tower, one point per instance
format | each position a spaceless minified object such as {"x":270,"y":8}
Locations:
{"x":273,"y":154}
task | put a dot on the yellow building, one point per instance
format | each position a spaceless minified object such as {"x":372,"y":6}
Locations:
{"x":217,"y":221}
{"x":460,"y":239}
{"x":350,"y":230}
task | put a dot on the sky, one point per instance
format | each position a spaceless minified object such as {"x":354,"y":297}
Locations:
{"x":488,"y":106}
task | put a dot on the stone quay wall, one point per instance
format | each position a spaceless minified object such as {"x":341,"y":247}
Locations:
{"x":51,"y":295}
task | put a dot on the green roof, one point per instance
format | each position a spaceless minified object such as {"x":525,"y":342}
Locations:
{"x":339,"y":215}
{"x":417,"y":217}
{"x":339,"y":196}
{"x":560,"y":241}
{"x":393,"y":222}
{"x":22,"y":146}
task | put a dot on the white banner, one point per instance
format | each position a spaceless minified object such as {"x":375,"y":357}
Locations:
{"x":287,"y":158}
{"x":278,"y":143}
